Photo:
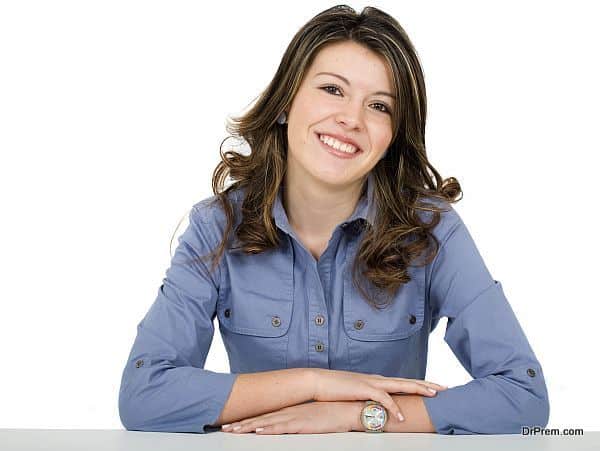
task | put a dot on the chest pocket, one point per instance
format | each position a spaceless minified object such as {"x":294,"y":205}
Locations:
{"x":400,"y":319}
{"x":385,"y":341}
{"x":255,"y":311}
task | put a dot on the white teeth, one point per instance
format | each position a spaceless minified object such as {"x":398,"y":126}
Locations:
{"x":348,"y":148}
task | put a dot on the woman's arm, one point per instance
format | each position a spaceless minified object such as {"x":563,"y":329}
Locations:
{"x":508,"y":389}
{"x":258,"y":393}
{"x":164,"y":386}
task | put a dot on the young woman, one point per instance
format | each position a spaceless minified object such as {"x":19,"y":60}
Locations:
{"x":334,"y":255}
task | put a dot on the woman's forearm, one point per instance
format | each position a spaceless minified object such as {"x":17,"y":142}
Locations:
{"x":416,"y":418}
{"x":258,"y":393}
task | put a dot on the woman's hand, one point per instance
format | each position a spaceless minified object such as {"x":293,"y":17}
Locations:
{"x":307,"y":418}
{"x":336,"y":385}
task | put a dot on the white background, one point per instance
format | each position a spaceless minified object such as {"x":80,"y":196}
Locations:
{"x":111,"y":117}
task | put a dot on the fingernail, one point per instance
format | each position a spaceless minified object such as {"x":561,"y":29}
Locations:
{"x":259,"y":429}
{"x":432,"y":390}
{"x":400,"y":417}
{"x":237,"y":428}
{"x":225,"y":426}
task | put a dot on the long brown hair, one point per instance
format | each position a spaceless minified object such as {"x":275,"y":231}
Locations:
{"x":398,"y":236}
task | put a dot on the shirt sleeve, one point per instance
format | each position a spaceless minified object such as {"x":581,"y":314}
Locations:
{"x":164,"y":387}
{"x":508,"y":390}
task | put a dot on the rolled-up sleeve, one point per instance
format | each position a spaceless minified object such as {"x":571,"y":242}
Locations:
{"x":164,"y":386}
{"x":508,"y":390}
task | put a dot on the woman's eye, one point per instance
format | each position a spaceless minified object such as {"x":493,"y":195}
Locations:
{"x":326,"y":88}
{"x":385,"y":108}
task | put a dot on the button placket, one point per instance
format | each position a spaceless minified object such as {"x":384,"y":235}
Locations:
{"x":317,"y":327}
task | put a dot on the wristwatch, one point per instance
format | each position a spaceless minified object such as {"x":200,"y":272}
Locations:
{"x":373,"y":416}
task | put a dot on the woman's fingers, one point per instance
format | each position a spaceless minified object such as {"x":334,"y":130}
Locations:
{"x":388,"y":402}
{"x":250,"y":424}
{"x":278,"y":428}
{"x":408,"y":387}
{"x":419,"y":381}
{"x":434,"y":385}
{"x":401,"y":385}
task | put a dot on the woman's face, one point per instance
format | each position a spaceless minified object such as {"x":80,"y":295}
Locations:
{"x":355,"y":109}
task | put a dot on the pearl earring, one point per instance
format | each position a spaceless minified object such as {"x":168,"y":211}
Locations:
{"x":282,"y":118}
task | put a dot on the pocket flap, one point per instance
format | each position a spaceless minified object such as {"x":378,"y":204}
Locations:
{"x":258,"y":313}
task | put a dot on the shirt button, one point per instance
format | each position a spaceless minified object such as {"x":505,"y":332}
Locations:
{"x":139,"y":363}
{"x":358,"y":226}
{"x":276,"y":321}
{"x":412,"y":319}
{"x":358,"y":324}
{"x":320,"y":320}
{"x":319,"y":347}
{"x":227,"y":313}
{"x":531,"y":372}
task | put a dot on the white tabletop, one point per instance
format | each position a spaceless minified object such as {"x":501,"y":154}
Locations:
{"x":98,"y":439}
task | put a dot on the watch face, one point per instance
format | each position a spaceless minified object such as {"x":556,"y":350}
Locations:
{"x":374,"y":416}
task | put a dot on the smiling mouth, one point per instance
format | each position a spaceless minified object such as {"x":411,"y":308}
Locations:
{"x":338,"y":152}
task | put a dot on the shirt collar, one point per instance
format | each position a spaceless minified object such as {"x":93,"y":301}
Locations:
{"x":365,"y":208}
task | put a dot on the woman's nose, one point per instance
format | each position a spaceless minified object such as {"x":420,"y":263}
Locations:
{"x":351,"y":115}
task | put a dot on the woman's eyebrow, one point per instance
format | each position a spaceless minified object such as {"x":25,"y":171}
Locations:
{"x":345,"y":80}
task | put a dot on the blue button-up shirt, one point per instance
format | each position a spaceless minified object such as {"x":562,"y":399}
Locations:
{"x":285,"y":309}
